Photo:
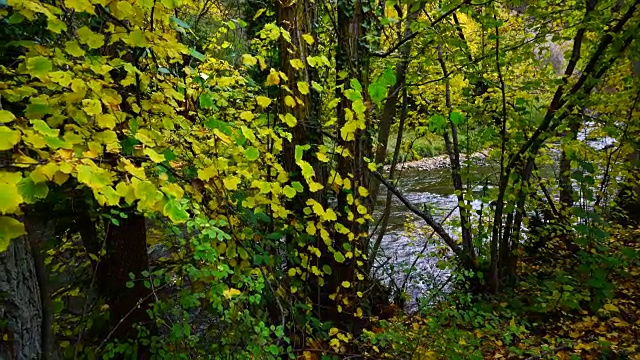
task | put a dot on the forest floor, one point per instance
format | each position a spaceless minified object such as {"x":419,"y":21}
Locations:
{"x":575,"y":313}
{"x":569,"y":305}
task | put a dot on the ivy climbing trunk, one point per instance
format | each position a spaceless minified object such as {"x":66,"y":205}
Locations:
{"x":351,"y":67}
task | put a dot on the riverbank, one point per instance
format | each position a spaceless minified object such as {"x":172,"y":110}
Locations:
{"x":436,"y":162}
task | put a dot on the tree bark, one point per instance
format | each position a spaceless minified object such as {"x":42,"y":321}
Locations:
{"x":20,"y":303}
{"x":126,"y":252}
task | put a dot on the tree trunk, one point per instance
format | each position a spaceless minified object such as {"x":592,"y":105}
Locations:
{"x":126,"y":252}
{"x":351,"y":60}
{"x":20,"y":303}
{"x":564,"y":180}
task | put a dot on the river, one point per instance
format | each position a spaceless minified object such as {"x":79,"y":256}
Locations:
{"x":408,"y":239}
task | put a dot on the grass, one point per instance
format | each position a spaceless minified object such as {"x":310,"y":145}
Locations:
{"x":414,"y":147}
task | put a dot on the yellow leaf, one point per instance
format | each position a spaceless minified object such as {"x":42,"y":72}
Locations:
{"x":6,"y":116}
{"x":311,"y":228}
{"x":346,"y":284}
{"x":611,"y":307}
{"x":80,"y":6}
{"x":289,"y":119}
{"x":263,"y":101}
{"x":10,"y":228}
{"x":8,"y":138}
{"x":303,"y":87}
{"x":106,"y":121}
{"x":153,"y":155}
{"x":273,"y":78}
{"x":258,"y":13}
{"x":289,"y":101}
{"x":92,"y":106}
{"x":231,"y":183}
{"x":229,"y":293}
{"x":292,"y":272}
{"x":297,"y":64}
{"x":10,"y":198}
{"x":249,"y":60}
{"x":246,"y":115}
{"x":315,"y":186}
{"x":333,"y":331}
{"x":335,"y":343}
{"x":363,"y":191}
{"x":88,"y":37}
{"x":308,"y":38}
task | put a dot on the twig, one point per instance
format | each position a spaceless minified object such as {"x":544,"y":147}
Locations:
{"x":140,"y":302}
{"x":415,"y":33}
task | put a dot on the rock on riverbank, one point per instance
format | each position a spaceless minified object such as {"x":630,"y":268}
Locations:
{"x":436,"y":162}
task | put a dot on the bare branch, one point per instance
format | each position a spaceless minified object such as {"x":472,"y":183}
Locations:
{"x":423,"y":215}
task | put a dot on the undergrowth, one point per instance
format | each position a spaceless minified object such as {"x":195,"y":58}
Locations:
{"x":569,"y":304}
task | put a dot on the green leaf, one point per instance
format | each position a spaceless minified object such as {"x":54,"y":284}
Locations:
{"x":39,"y":66}
{"x":355,"y":85}
{"x":174,"y":211}
{"x":299,"y":151}
{"x":377,"y":92}
{"x":10,"y":228}
{"x":206,"y":101}
{"x":31,"y":191}
{"x":91,"y":39}
{"x":316,"y":86}
{"x":196,"y":54}
{"x":251,"y":153}
{"x":437,"y":122}
{"x":456,"y":118}
{"x":338,"y":256}
{"x":388,"y":77}
{"x":298,"y":186}
{"x":43,"y":128}
{"x":180,"y":23}
{"x":73,"y":48}
{"x":8,"y":138}
{"x":327,"y":269}
{"x":289,"y":191}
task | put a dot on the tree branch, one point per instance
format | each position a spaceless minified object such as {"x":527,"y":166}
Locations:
{"x":415,"y":33}
{"x":423,"y":215}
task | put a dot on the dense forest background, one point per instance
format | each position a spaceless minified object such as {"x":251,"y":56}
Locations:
{"x":221,"y":179}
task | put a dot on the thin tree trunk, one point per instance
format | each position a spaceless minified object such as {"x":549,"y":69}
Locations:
{"x":564,"y":180}
{"x":394,"y":162}
{"x":40,"y":231}
{"x":384,"y":129}
{"x":453,"y":150}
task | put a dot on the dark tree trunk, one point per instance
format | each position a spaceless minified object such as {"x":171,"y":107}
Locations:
{"x":126,"y":252}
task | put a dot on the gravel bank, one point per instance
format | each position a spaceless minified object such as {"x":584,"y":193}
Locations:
{"x":436,"y":162}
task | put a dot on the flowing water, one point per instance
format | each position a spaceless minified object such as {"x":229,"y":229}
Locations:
{"x":408,"y":249}
{"x":408,"y":257}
